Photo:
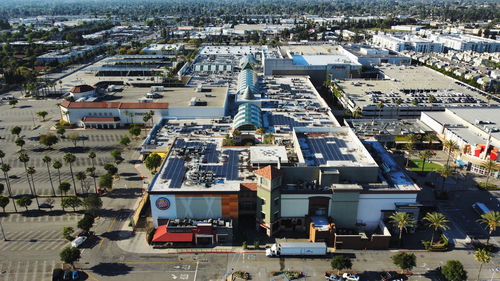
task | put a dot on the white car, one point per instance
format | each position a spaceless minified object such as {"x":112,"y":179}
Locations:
{"x":350,"y":276}
{"x":78,"y":241}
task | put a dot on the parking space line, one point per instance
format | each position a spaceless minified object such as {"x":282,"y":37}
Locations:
{"x":17,"y":270}
{"x":35,"y":271}
{"x":8,"y":271}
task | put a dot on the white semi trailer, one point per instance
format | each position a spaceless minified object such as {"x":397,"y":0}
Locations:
{"x":297,"y":249}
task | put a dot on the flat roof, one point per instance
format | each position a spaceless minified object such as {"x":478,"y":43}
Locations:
{"x":200,"y":164}
{"x":412,"y":83}
{"x":268,"y":154}
{"x":311,"y":49}
{"x":393,"y":127}
{"x":175,"y":96}
{"x":320,"y":59}
{"x":332,"y":147}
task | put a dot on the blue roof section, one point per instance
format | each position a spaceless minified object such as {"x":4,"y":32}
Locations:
{"x":299,"y":60}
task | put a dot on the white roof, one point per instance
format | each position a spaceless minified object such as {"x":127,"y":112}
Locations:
{"x":267,"y":154}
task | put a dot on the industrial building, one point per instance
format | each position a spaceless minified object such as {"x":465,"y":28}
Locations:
{"x":399,"y":43}
{"x":405,"y":91}
{"x":467,"y":42}
{"x":475,"y":130}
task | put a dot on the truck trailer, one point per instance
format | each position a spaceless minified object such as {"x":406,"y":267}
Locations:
{"x":297,"y":249}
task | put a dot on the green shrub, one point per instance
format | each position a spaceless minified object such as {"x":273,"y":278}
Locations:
{"x":441,"y":246}
{"x":151,"y":234}
{"x":484,"y":186}
{"x":244,"y":245}
{"x":256,"y":245}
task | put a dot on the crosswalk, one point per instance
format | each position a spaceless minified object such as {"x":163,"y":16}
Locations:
{"x":28,"y":270}
{"x":18,"y":218}
{"x":35,"y":240}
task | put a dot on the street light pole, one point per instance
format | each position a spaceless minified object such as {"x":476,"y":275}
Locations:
{"x":493,"y":270}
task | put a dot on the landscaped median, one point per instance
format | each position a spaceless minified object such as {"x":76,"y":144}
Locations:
{"x":289,"y":274}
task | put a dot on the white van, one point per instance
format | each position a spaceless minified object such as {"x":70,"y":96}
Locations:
{"x":480,"y":208}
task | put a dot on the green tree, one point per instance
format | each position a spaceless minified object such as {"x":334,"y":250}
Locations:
{"x":64,"y":187}
{"x":71,"y":202}
{"x":489,"y":166}
{"x":48,"y":139}
{"x":86,"y":222}
{"x":444,"y":172}
{"x":116,"y":154}
{"x":261,"y":132}
{"x":436,"y":221}
{"x":340,"y":262}
{"x":24,"y":158}
{"x":16,"y":130}
{"x":67,"y":233}
{"x":57,"y":165}
{"x":380,"y":106}
{"x":491,"y":220}
{"x":482,"y":256}
{"x":135,"y":131}
{"x":424,"y":156}
{"x":152,"y":162}
{"x":404,"y":260}
{"x":106,"y":181}
{"x":92,"y":156}
{"x":402,"y":221}
{"x":42,"y":114}
{"x":81,"y":176}
{"x":24,"y":202}
{"x":20,"y":142}
{"x":69,"y":255}
{"x":111,"y":169}
{"x":453,"y":270}
{"x":4,"y":201}
{"x":92,"y":203}
{"x":61,"y":131}
{"x":92,"y":174}
{"x":13,"y":102}
{"x":74,"y":137}
{"x":430,"y":138}
{"x":69,"y":158}
{"x":125,"y":141}
{"x":5,"y":169}
{"x":450,"y":145}
{"x":46,"y":159}
{"x":410,"y":147}
{"x":31,"y":171}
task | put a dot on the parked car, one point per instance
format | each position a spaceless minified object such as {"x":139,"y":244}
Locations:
{"x":350,"y":277}
{"x":333,"y":277}
{"x":45,"y":206}
{"x":85,"y":233}
{"x":67,"y":275}
{"x":78,"y":241}
{"x":57,"y":274}
{"x":74,"y":275}
{"x":392,"y":276}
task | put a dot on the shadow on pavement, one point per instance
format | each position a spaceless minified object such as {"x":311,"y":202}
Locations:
{"x":125,"y":193}
{"x":117,"y":235}
{"x":111,"y":269}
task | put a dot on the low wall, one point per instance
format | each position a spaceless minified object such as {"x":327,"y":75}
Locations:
{"x":361,"y":241}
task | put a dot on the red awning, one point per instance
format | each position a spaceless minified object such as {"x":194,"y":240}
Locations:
{"x":162,"y":235}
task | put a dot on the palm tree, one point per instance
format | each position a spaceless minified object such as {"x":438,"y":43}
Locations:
{"x":445,"y":172}
{"x":398,"y":103}
{"x":489,"y":99}
{"x":492,"y":220}
{"x":81,"y":176}
{"x":402,"y":221}
{"x":357,"y":113}
{"x":46,"y":159}
{"x":409,"y":148}
{"x":31,"y":171}
{"x":489,"y":166}
{"x":58,"y":165}
{"x":91,"y":172}
{"x":5,"y":169}
{"x":411,"y":138}
{"x":436,"y":221}
{"x":482,"y":256}
{"x":69,"y":158}
{"x":24,"y":158}
{"x":380,"y":105}
{"x":424,"y":155}
{"x":430,"y":137}
{"x":450,"y":145}
{"x":92,"y":157}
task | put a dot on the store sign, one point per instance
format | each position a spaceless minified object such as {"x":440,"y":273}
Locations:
{"x":162,"y":203}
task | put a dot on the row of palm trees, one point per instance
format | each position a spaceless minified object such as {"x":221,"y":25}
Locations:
{"x":68,"y":158}
{"x":437,"y":221}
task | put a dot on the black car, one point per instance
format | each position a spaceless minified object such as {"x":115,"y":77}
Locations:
{"x":45,"y":206}
{"x":392,"y":276}
{"x":68,"y":275}
{"x":57,"y":274}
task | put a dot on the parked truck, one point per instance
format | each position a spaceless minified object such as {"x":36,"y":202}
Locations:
{"x":297,"y":249}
